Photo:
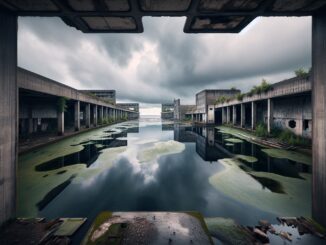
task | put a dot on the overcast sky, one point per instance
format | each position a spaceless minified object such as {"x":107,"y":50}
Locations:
{"x":164,"y":63}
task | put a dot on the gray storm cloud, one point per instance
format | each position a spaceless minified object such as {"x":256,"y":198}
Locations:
{"x":163,"y":63}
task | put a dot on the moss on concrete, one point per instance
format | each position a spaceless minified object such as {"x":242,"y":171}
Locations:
{"x":228,"y":231}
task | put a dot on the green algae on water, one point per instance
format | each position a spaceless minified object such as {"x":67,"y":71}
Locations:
{"x":160,"y":148}
{"x":291,"y":155}
{"x":249,"y":159}
{"x":237,"y":184}
{"x":234,"y":140}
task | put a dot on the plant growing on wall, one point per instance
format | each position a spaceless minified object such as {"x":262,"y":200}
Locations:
{"x":264,"y":87}
{"x":62,"y":104}
{"x":301,"y":72}
{"x":240,"y":96}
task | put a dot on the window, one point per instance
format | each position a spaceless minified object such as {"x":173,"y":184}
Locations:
{"x":292,"y":124}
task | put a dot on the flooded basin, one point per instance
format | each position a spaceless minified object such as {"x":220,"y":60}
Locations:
{"x":150,"y":165}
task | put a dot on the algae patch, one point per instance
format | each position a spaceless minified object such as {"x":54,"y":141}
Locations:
{"x":159,"y":149}
{"x":238,"y":184}
{"x":291,"y":155}
{"x":234,"y":140}
{"x":249,"y":159}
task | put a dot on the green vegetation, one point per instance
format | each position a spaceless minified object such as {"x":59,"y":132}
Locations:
{"x":301,"y":72}
{"x":290,"y":138}
{"x":261,"y":130}
{"x":220,"y":100}
{"x":240,"y":96}
{"x":249,"y":159}
{"x":62,"y":104}
{"x":233,"y":88}
{"x":264,"y":87}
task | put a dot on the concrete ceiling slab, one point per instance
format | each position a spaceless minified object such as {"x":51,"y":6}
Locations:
{"x":202,"y":16}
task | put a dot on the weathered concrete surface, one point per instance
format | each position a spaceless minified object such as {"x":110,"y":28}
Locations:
{"x":319,"y":118}
{"x":88,"y":115}
{"x":149,"y":228}
{"x":61,"y":123}
{"x":8,"y":115}
{"x":35,"y":82}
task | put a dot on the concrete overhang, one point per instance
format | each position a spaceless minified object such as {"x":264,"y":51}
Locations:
{"x":125,"y":16}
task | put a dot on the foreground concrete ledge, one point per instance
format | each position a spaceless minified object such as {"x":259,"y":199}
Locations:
{"x":148,"y":228}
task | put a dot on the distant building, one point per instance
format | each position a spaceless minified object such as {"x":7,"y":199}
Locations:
{"x":107,"y":95}
{"x":167,"y":111}
{"x":180,"y":111}
{"x":205,"y":101}
{"x":129,"y":106}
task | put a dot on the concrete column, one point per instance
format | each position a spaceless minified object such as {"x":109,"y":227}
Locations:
{"x":228,"y":114}
{"x":253,"y":115}
{"x":106,"y":114}
{"x":30,"y":121}
{"x":77,"y":115}
{"x":8,"y":115}
{"x":223,"y":115}
{"x":101,"y":114}
{"x":88,"y":115}
{"x":95,"y":115}
{"x":269,"y":115}
{"x":61,"y":123}
{"x":243,"y":116}
{"x":234,"y":114}
{"x":319,"y":118}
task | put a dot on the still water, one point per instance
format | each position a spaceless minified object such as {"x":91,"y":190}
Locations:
{"x":149,"y":165}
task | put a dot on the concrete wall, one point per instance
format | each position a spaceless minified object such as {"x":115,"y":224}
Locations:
{"x":8,"y":115}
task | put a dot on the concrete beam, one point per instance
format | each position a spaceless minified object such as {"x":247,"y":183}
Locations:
{"x":77,"y":115}
{"x":61,"y":123}
{"x":8,"y":115}
{"x":243,"y":116}
{"x":234,"y":114}
{"x":253,"y":115}
{"x":319,"y":119}
{"x":88,"y":115}
{"x":270,"y":108}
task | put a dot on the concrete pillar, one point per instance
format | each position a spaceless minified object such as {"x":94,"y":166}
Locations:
{"x":30,"y":120}
{"x":8,"y":115}
{"x":95,"y":115}
{"x":228,"y":114}
{"x":223,"y":115}
{"x":253,"y":115}
{"x":77,"y":115}
{"x":270,"y":108}
{"x":106,"y":114}
{"x":319,"y":118}
{"x":101,"y":114}
{"x":88,"y":115}
{"x":61,"y":123}
{"x":243,"y":116}
{"x":234,"y":114}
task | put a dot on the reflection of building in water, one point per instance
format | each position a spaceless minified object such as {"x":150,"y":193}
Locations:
{"x":167,"y":111}
{"x":204,"y":139}
{"x":167,"y":126}
{"x":184,"y":134}
{"x":134,"y":129}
